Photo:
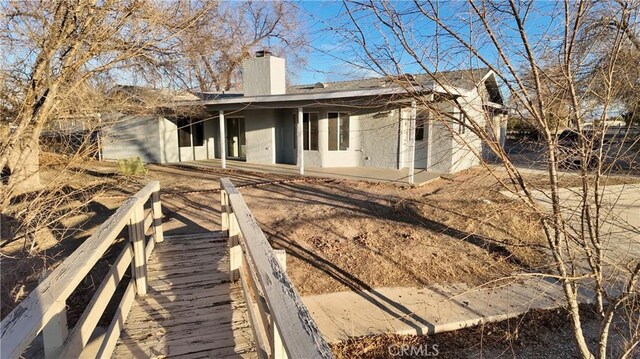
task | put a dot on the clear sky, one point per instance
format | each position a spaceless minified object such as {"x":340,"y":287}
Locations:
{"x":326,"y":56}
{"x":321,"y":66}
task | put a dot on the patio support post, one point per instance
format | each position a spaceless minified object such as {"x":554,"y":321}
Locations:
{"x":412,"y":140}
{"x":300,"y":141}
{"x":223,"y":152}
{"x":428,"y":134}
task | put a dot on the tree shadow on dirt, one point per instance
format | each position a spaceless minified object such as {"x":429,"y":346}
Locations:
{"x":408,"y":214}
{"x":350,"y":281}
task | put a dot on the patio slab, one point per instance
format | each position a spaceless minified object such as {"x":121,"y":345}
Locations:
{"x":381,"y":175}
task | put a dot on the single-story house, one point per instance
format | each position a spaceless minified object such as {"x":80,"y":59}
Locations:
{"x":360,"y":123}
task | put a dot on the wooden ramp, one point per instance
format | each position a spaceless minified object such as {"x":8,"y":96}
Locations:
{"x":191,"y":309}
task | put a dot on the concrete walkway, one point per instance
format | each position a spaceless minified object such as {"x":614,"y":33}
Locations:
{"x":438,"y":309}
{"x":382,"y":175}
{"x":428,"y":310}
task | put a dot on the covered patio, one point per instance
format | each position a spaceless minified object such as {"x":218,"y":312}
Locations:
{"x":381,"y":175}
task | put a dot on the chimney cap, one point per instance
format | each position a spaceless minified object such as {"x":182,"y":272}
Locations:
{"x":263,"y":53}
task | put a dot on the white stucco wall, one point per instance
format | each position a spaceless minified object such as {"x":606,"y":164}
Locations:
{"x":168,"y":133}
{"x":132,"y":136}
{"x":260,"y":135}
{"x":440,"y":146}
{"x":467,"y":147}
{"x":379,"y":141}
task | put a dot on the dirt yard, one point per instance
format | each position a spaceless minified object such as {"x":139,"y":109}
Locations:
{"x":339,"y":235}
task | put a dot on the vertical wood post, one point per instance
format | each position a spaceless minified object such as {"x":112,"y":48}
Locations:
{"x":300,"y":135}
{"x":55,"y":332}
{"x":223,"y":142}
{"x":412,"y":141}
{"x":157,"y":217}
{"x":224,"y":213}
{"x":136,"y":236}
{"x":277,"y":346}
{"x":235,"y":250}
{"x":281,"y":256}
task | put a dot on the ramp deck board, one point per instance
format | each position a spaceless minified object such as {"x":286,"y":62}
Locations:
{"x":191,"y":309}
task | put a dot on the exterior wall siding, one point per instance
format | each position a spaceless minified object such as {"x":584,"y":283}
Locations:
{"x":168,"y":132}
{"x":133,"y":136}
{"x":379,"y":133}
{"x":260,"y":135}
{"x":467,"y":147}
{"x":441,"y":143}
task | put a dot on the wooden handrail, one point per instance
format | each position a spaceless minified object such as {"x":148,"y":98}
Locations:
{"x":283,"y":326}
{"x":30,"y":317}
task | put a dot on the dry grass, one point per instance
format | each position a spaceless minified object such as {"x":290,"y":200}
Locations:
{"x":536,"y":334}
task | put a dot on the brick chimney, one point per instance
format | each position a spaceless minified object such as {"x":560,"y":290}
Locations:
{"x":263,"y":75}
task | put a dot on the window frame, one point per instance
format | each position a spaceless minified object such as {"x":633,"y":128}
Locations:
{"x":338,"y":131}
{"x":462,"y":119}
{"x":186,"y":132}
{"x":306,"y":133}
{"x":183,"y":125}
{"x":421,"y":125}
{"x":202,"y":138}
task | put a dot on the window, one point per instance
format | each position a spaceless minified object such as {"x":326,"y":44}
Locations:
{"x":313,"y":130}
{"x":309,"y":131}
{"x":197,"y":130}
{"x":184,"y":132}
{"x":338,"y":131}
{"x":461,"y":123}
{"x":420,"y":123}
{"x":190,"y":131}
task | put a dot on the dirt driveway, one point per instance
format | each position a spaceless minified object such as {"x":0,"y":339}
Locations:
{"x":618,"y":158}
{"x":619,"y":224}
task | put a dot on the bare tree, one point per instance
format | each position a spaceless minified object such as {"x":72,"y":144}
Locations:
{"x":565,"y":63}
{"x":58,"y":51}
{"x":58,"y":78}
{"x":228,"y":33}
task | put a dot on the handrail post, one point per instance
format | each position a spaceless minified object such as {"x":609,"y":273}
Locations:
{"x":55,"y":332}
{"x":230,"y":228}
{"x":277,"y":346}
{"x":158,"y":234}
{"x":235,"y":250}
{"x":224,"y":213}
{"x":136,"y":236}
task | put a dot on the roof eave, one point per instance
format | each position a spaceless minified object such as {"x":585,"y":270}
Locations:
{"x":319,"y":96}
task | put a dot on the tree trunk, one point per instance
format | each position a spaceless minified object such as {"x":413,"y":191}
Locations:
{"x":22,"y":171}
